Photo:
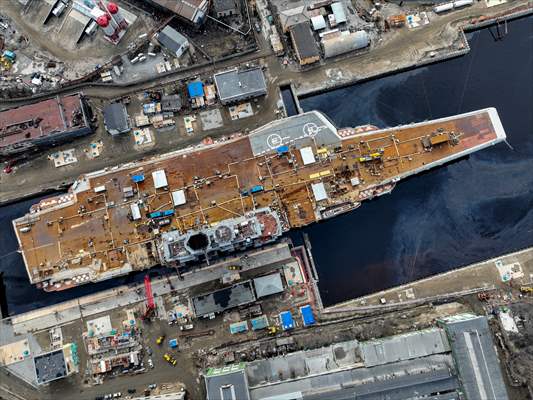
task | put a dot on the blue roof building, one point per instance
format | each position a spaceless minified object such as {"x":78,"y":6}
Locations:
{"x":259,"y":323}
{"x":307,"y":315}
{"x":138,"y":178}
{"x":287,"y":322}
{"x":195,"y":89}
{"x":238,"y":327}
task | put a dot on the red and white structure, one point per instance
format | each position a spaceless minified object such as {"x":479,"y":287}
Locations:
{"x":103,"y":22}
{"x":116,"y":15}
{"x":111,"y":19}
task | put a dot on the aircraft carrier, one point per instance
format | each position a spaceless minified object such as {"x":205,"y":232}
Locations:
{"x":200,"y":203}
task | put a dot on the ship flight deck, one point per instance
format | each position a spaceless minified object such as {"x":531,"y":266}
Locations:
{"x":202,"y":202}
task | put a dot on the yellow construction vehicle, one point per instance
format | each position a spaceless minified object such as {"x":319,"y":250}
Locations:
{"x":168,"y":358}
{"x":272,"y":330}
{"x":526,"y":289}
{"x":377,"y":155}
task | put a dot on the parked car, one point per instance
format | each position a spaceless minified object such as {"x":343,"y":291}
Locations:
{"x":150,"y":363}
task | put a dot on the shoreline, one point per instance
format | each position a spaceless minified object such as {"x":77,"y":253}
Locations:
{"x":298,"y":94}
{"x":428,"y":60}
{"x":361,"y":304}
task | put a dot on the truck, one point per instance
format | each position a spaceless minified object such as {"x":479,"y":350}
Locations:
{"x":10,"y":55}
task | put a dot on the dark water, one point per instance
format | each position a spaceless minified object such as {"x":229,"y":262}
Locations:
{"x":288,"y":100}
{"x":474,"y":209}
{"x":21,"y":296}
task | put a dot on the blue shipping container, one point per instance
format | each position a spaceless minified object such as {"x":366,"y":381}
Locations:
{"x":256,"y":189}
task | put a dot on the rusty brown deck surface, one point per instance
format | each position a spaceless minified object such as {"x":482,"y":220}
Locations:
{"x":74,"y":230}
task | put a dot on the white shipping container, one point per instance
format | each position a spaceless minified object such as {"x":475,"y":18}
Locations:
{"x":99,"y":189}
{"x":135,"y":212}
{"x":59,"y":9}
{"x":160,"y":179}
{"x":178,"y":198}
{"x":91,"y":28}
{"x":443,"y":7}
{"x":463,"y":3}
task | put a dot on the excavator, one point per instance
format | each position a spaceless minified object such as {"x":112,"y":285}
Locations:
{"x":526,"y":289}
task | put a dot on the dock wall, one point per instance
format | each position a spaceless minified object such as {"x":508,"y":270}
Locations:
{"x":427,"y":60}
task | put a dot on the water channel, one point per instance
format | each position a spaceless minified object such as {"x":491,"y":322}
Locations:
{"x":470,"y":210}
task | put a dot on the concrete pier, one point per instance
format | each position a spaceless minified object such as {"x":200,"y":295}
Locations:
{"x":487,"y":275}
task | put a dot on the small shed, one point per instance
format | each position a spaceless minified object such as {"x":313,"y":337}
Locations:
{"x":171,"y":103}
{"x":225,"y":8}
{"x":318,"y":22}
{"x":160,"y":179}
{"x":138,"y":178}
{"x":195,"y":89}
{"x":287,"y":323}
{"x":307,"y":315}
{"x":308,"y":156}
{"x":238,"y":327}
{"x":178,"y":197}
{"x":173,"y":41}
{"x":259,"y":323}
{"x":338,"y":12}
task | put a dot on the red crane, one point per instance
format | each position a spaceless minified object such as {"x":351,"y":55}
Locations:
{"x":150,"y":305}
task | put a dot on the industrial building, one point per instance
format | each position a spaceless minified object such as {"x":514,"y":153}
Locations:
{"x":116,"y":119}
{"x":50,"y":367}
{"x":193,"y":11}
{"x":225,"y":8}
{"x":268,"y":285}
{"x":46,"y":123}
{"x":304,"y":43}
{"x":292,"y":16}
{"x":457,"y":362}
{"x":238,"y":85}
{"x":170,"y":103}
{"x":223,"y":299}
{"x":475,"y":356}
{"x":339,"y":13}
{"x":173,"y":41}
{"x":228,"y":383}
{"x":344,"y":42}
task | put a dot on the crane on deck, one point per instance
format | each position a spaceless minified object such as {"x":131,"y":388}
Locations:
{"x":150,"y":305}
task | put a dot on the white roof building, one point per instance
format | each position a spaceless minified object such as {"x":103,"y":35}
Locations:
{"x":338,"y":11}
{"x":318,"y":22}
{"x":308,"y":156}
{"x":160,"y":179}
{"x":319,"y":191}
{"x":178,"y":197}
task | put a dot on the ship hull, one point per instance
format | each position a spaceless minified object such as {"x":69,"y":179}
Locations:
{"x":199,"y":203}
